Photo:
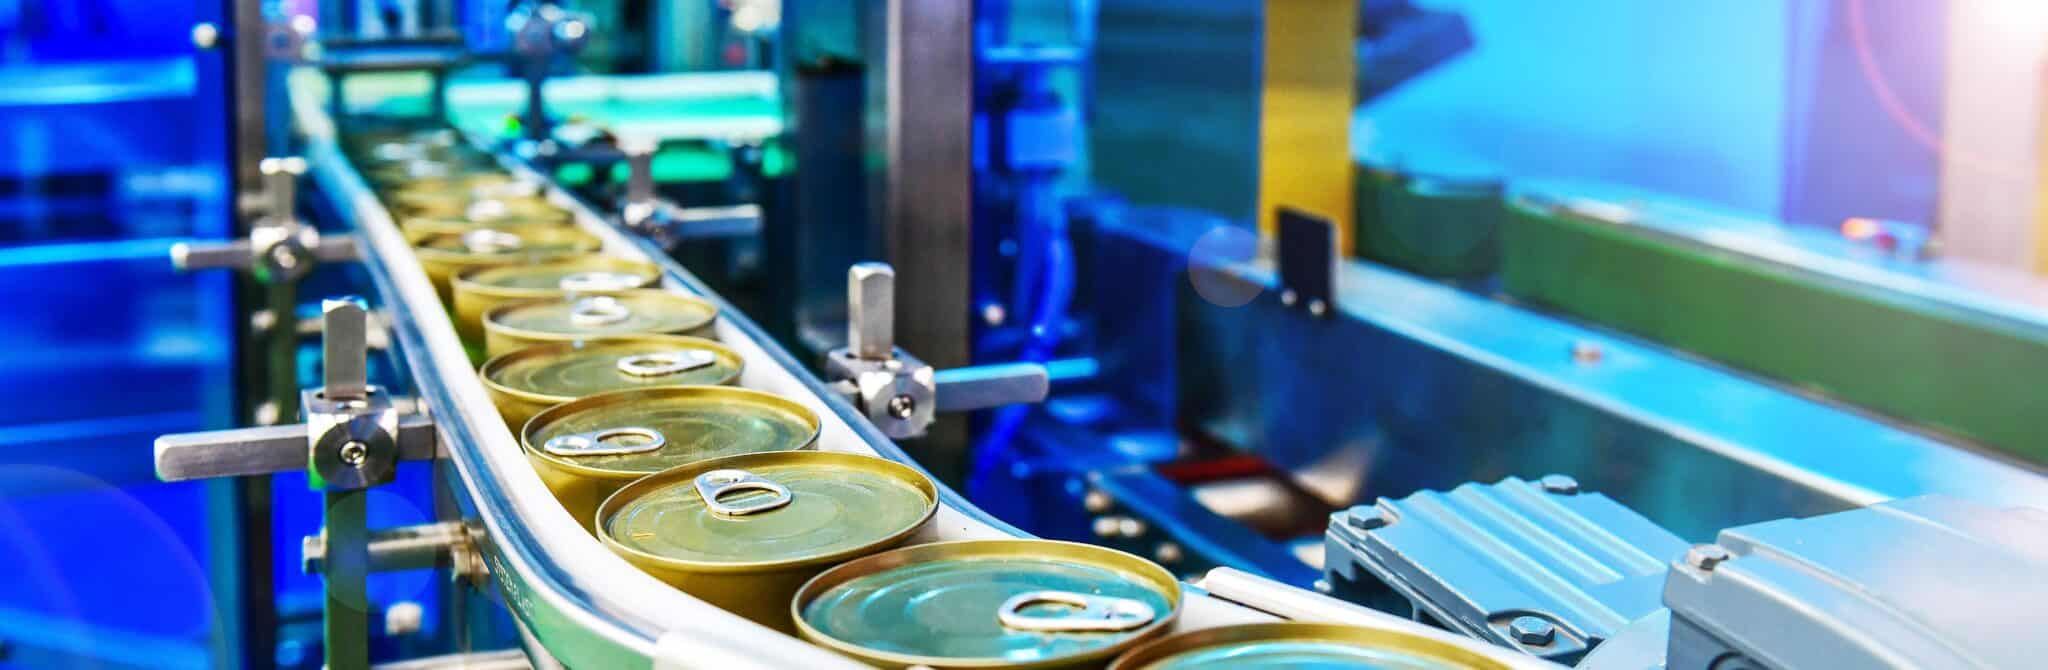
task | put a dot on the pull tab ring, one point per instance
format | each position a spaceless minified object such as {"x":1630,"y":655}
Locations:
{"x":716,"y":483}
{"x":664,"y":363}
{"x":598,"y":280}
{"x":490,"y":241}
{"x":597,"y":311}
{"x":1096,"y":613}
{"x":594,"y":443}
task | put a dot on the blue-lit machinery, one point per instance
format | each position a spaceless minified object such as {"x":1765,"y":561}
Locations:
{"x":1532,"y":418}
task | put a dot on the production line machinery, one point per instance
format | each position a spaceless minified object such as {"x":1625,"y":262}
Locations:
{"x":1531,"y":571}
{"x":574,"y":602}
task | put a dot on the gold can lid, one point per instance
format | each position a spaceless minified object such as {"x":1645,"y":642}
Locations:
{"x":562,"y":371}
{"x":767,"y":510}
{"x":492,"y":243}
{"x":642,"y":311}
{"x":649,"y":430}
{"x":1301,"y":645}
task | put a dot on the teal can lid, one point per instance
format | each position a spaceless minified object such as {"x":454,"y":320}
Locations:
{"x":989,"y":603}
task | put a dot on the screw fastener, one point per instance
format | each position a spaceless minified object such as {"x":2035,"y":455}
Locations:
{"x":1366,"y":517}
{"x":1532,"y":631}
{"x":354,"y":453}
{"x":1562,"y":485}
{"x":1706,"y":556}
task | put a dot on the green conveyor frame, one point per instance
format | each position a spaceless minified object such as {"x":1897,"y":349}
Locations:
{"x":1957,"y":348}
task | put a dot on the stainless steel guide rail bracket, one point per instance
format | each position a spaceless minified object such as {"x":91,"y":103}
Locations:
{"x":893,"y":389}
{"x":669,"y":225}
{"x":350,"y":441}
{"x":280,"y":248}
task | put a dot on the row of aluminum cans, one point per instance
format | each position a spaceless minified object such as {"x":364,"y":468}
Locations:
{"x":636,"y":418}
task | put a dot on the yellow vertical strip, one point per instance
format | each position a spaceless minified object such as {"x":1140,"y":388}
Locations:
{"x":2041,"y":176}
{"x":1305,"y":112}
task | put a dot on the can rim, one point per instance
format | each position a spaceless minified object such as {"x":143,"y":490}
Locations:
{"x":1363,"y":636}
{"x":684,"y":474}
{"x":499,"y":362}
{"x":492,"y":325}
{"x":582,"y":243}
{"x":553,"y":413}
{"x":1102,"y":557}
{"x":469,"y":279}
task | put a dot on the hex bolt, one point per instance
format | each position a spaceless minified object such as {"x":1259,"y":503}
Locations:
{"x":1562,"y":485}
{"x":353,"y":453}
{"x":1096,"y":502}
{"x":1706,"y":556}
{"x":1317,"y":307}
{"x":1366,"y":517}
{"x":1288,"y":297}
{"x":1532,"y":631}
{"x":1105,"y":526}
{"x":902,"y":406}
{"x":1168,"y":552}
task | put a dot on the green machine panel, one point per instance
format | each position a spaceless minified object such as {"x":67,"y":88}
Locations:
{"x":1437,"y":219}
{"x":1959,"y":349}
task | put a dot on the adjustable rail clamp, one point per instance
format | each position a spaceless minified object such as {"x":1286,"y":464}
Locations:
{"x":1308,"y":261}
{"x":668,"y":224}
{"x":899,"y":393}
{"x":280,"y":248}
{"x":352,"y":439}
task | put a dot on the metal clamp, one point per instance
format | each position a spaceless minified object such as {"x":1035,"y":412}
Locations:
{"x":605,"y":442}
{"x":643,"y":210}
{"x":353,"y":436}
{"x":1085,"y":613}
{"x":403,"y":548}
{"x":279,"y":249}
{"x":899,"y":393}
{"x":664,"y":363}
{"x":713,"y":485}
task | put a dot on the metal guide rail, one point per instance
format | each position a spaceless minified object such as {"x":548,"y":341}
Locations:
{"x":580,"y":603}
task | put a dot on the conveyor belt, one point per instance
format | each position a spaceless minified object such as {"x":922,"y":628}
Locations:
{"x":580,"y":603}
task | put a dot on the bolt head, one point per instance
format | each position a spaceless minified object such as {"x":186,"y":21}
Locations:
{"x":902,"y":406}
{"x":1288,"y":298}
{"x":1532,"y":631}
{"x":1168,"y":552}
{"x":1096,"y":502}
{"x":1562,"y":485}
{"x":1105,"y":526}
{"x":205,"y":35}
{"x":353,"y":453}
{"x":1366,"y":517}
{"x":1706,"y":556}
{"x":1587,"y":353}
{"x":1317,"y":307}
